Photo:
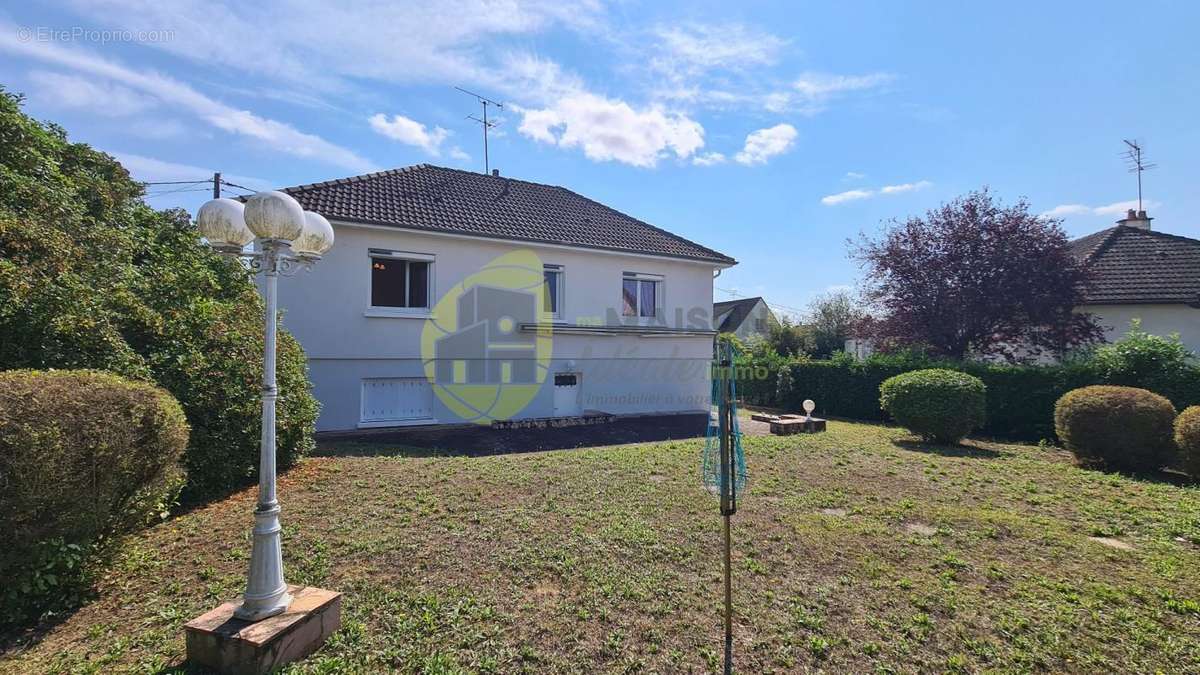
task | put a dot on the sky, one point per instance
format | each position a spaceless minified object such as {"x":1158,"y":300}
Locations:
{"x":772,"y":132}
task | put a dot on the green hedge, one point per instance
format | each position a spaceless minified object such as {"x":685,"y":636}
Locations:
{"x":1020,"y":399}
{"x":84,"y":455}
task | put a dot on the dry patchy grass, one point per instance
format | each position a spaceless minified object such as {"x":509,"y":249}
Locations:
{"x":856,"y":550}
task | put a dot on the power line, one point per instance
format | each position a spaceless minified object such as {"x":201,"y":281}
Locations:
{"x":176,"y":191}
{"x":773,"y":305}
{"x":235,"y":185}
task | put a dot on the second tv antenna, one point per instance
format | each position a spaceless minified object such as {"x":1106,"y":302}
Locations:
{"x":1137,"y":164}
{"x":485,"y":102}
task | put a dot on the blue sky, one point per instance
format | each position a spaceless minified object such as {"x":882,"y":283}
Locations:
{"x":771,"y":132}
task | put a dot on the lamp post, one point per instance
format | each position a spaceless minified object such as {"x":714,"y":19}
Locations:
{"x":286,"y":238}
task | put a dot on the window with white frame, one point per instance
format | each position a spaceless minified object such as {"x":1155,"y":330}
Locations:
{"x":400,"y":281}
{"x":641,"y":294}
{"x":552,"y":297}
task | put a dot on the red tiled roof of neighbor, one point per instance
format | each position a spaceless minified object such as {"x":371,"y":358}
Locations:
{"x":1131,"y":265}
{"x":433,"y":198}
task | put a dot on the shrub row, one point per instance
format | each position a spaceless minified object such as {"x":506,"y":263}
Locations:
{"x":1020,"y":398}
{"x":84,"y":455}
{"x":92,"y":277}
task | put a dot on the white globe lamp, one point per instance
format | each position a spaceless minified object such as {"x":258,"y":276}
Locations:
{"x":316,"y":239}
{"x":274,"y":215}
{"x":222,"y":222}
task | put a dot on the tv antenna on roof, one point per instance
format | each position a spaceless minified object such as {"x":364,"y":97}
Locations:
{"x":485,"y":102}
{"x":1135,"y":161}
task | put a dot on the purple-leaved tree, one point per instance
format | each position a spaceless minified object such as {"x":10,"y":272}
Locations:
{"x":976,"y":277}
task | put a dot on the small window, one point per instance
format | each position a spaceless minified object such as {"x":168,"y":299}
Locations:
{"x":760,"y":324}
{"x":396,"y":282}
{"x":566,"y":379}
{"x":640,"y":295}
{"x":553,"y":291}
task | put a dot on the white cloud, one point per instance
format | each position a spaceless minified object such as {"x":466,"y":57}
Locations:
{"x":816,"y":86}
{"x":847,"y":196}
{"x":537,"y":79}
{"x":1114,"y":209}
{"x":811,"y":92}
{"x":1119,"y":208}
{"x":612,"y":130}
{"x":409,"y":131}
{"x":854,"y":175}
{"x":458,"y":154}
{"x":178,"y":96}
{"x":709,"y":159}
{"x":904,"y":187}
{"x":854,"y":195}
{"x":763,"y":144}
{"x":325,"y":46}
{"x":97,"y":96}
{"x":698,"y":46}
{"x":1066,"y":210}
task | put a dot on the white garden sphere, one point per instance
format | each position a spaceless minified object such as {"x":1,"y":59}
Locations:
{"x":809,"y":406}
{"x":274,"y":215}
{"x":222,"y":223}
{"x":317,"y":238}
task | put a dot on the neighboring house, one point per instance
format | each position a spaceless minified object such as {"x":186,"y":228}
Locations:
{"x":1142,"y":274}
{"x":1137,"y":274}
{"x":746,"y":318}
{"x":411,"y":318}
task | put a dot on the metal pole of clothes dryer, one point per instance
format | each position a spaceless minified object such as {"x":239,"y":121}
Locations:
{"x":728,"y":484}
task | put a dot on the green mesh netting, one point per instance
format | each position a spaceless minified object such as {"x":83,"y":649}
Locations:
{"x":711,"y":470}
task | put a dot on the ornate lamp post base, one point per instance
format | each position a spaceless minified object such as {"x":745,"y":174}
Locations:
{"x":222,"y":641}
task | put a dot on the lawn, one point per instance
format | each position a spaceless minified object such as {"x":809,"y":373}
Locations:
{"x":856,"y":550}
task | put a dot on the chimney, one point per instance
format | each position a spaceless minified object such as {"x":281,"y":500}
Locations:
{"x":496,"y":174}
{"x":1137,"y":219}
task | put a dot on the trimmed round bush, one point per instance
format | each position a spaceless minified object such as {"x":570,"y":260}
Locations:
{"x":84,"y":455}
{"x":1123,"y":428}
{"x":936,"y":404}
{"x":1187,"y":439}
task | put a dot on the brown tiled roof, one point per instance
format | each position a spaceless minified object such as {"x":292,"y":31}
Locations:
{"x":434,"y":198}
{"x":1134,"y":266}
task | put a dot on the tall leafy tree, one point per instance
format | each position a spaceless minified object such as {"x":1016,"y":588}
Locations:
{"x":832,"y":317}
{"x":92,"y":277}
{"x":977,"y":277}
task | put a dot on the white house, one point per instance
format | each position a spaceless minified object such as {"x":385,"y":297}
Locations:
{"x":1139,"y":273}
{"x":452,"y":296}
{"x":746,"y":318}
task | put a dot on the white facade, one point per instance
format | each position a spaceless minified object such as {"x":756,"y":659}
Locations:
{"x":367,"y":366}
{"x":1157,"y":319}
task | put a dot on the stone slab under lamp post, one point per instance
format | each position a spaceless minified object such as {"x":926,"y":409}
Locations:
{"x":274,"y":623}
